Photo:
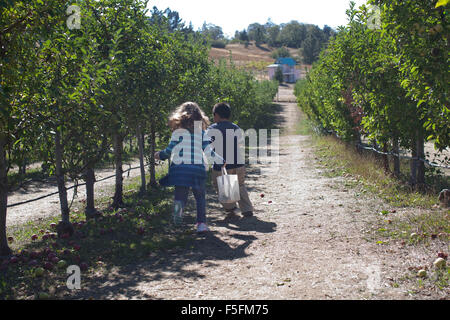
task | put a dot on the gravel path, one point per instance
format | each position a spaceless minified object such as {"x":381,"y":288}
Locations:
{"x":310,"y":242}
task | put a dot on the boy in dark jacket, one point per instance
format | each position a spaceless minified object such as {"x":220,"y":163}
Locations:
{"x":234,"y":162}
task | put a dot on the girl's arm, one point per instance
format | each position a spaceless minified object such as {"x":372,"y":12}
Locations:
{"x":165,"y":154}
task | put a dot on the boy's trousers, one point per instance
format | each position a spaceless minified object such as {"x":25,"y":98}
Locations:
{"x":244,"y":204}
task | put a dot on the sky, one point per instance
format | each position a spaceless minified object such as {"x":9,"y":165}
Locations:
{"x":234,"y":15}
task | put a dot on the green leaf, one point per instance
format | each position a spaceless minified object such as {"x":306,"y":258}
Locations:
{"x":420,"y":102}
{"x":442,"y":3}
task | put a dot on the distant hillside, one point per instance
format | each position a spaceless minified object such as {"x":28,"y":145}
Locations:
{"x":252,"y":58}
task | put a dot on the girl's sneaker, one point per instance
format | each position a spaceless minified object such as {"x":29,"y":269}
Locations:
{"x":177,"y":213}
{"x":202,"y":227}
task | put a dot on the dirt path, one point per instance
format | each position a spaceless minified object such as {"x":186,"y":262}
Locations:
{"x":308,"y":243}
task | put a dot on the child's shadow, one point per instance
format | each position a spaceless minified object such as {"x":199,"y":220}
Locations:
{"x":253,"y":223}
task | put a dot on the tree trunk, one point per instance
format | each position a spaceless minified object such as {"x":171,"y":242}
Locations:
{"x":118,"y":151}
{"x":141,"y":157}
{"x":420,"y":147}
{"x":64,"y":225}
{"x":413,"y":163}
{"x":4,"y":248}
{"x":90,"y":210}
{"x":377,"y":155}
{"x":386,"y":159}
{"x":358,"y":143}
{"x":153,"y":182}
{"x":131,"y":144}
{"x":23,"y":167}
{"x":396,"y":150}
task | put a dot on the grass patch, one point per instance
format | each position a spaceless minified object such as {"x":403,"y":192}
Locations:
{"x":115,"y":238}
{"x":434,"y":279}
{"x":342,"y":159}
{"x":304,"y":126}
{"x":418,"y":228}
{"x":365,"y":174}
{"x":15,"y":179}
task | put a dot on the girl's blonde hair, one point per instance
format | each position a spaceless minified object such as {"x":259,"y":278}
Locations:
{"x":185,"y":115}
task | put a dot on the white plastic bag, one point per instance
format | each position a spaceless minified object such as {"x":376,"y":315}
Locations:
{"x":228,"y":186}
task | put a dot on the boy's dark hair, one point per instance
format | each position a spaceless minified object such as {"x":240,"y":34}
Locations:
{"x":223,"y":109}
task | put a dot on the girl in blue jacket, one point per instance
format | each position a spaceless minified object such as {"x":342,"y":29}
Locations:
{"x":187,"y":148}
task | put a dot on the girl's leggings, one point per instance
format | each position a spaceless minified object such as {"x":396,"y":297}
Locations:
{"x":181,"y":194}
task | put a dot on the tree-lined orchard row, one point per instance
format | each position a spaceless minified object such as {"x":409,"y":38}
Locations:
{"x":67,"y":96}
{"x":389,"y":84}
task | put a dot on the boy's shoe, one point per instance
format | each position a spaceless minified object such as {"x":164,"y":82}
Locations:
{"x":247,"y":214}
{"x":232,"y":214}
{"x":202,"y":227}
{"x":234,"y":211}
{"x":177,"y":214}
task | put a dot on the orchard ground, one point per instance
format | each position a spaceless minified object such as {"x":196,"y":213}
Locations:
{"x":313,"y":236}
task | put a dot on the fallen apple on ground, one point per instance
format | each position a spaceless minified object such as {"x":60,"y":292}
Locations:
{"x":422,"y":273}
{"x":61,"y":264}
{"x":65,"y":236}
{"x":83,"y":266}
{"x":442,"y":255}
{"x":33,"y":263}
{"x":35,"y":254}
{"x":39,"y":272}
{"x":43,"y":296}
{"x":439,"y":263}
{"x":48,"y":266}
